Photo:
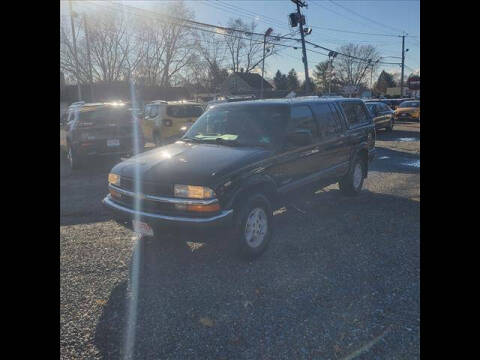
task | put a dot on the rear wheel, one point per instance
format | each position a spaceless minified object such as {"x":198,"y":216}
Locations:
{"x":253,"y":226}
{"x":352,"y":183}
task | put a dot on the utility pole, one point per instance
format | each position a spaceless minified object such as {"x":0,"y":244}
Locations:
{"x":267,"y":33}
{"x":88,"y":56}
{"x":403,"y":64}
{"x":304,"y":51}
{"x":331,"y":56}
{"x":75,"y":51}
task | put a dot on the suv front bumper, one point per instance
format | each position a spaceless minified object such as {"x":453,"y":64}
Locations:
{"x":122,"y":214}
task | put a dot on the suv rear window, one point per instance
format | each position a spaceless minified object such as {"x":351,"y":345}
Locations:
{"x":182,"y":111}
{"x":355,"y":113}
{"x":108,"y":115}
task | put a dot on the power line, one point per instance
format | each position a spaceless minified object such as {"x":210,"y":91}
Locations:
{"x":226,"y":30}
{"x":232,"y":9}
{"x":353,"y":21}
{"x":364,"y":17}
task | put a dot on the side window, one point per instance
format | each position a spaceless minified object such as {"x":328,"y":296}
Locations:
{"x":355,"y":113}
{"x":302,"y":118}
{"x":337,"y":116}
{"x":327,"y":124}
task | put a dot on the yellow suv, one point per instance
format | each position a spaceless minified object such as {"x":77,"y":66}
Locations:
{"x":408,"y":110}
{"x":166,"y":121}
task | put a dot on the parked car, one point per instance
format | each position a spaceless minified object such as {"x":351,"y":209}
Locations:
{"x":166,"y":121}
{"x":382,"y":115}
{"x":238,"y":161}
{"x":98,"y":129}
{"x":408,"y":110}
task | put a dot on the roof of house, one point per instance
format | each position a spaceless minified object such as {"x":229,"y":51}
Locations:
{"x":254,"y":80}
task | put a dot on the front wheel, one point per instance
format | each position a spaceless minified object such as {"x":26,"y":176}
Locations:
{"x":253,"y":226}
{"x":352,"y":183}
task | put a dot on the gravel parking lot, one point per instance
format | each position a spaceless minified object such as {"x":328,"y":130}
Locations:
{"x":340,"y":280}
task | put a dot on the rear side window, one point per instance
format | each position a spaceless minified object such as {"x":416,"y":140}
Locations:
{"x":302,"y":118}
{"x":355,"y":113}
{"x":327,"y":124}
{"x":337,"y":116}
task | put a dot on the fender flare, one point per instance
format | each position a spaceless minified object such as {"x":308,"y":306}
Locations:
{"x":253,"y":181}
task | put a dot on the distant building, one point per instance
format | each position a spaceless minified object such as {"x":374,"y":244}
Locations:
{"x":245,"y":83}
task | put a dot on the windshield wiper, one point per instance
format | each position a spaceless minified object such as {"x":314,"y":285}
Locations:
{"x":191,"y":139}
{"x":223,"y":141}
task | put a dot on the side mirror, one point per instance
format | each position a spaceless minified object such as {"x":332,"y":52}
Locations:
{"x":301,"y":137}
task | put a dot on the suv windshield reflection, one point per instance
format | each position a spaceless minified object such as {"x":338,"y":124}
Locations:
{"x":241,"y":125}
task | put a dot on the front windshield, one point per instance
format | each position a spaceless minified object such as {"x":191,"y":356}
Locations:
{"x":241,"y":125}
{"x":409,"y":104}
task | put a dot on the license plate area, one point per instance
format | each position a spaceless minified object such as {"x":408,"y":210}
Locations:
{"x":142,"y":228}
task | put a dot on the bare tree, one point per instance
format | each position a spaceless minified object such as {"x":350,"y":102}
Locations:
{"x":209,"y":64}
{"x":67,"y":58}
{"x":246,"y":48}
{"x":350,"y":71}
{"x":235,"y":42}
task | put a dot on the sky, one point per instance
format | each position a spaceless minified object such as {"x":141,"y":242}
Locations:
{"x":334,"y":22}
{"x":373,"y":17}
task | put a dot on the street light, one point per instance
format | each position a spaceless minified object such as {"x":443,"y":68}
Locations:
{"x":267,"y":33}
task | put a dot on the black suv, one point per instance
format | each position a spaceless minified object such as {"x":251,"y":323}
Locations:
{"x":98,"y":129}
{"x":237,"y":160}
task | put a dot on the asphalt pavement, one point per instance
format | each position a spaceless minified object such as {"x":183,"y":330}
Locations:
{"x":340,"y":279}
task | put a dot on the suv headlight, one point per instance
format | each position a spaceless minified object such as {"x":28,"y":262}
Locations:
{"x":114,"y":179}
{"x":193,"y":192}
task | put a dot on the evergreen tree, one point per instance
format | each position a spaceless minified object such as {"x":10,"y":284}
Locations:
{"x":280,"y":81}
{"x":385,"y":80}
{"x":292,"y":80}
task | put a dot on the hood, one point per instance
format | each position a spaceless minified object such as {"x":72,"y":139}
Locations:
{"x":189,"y":163}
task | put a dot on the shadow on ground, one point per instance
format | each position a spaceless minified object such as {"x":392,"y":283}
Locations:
{"x":397,"y":135}
{"x":339,"y":272}
{"x":396,"y":161}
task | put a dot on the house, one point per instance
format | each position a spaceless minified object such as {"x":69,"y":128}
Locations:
{"x":244,"y":83}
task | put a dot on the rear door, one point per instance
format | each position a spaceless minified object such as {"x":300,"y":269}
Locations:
{"x":360,"y":129}
{"x":333,"y":143}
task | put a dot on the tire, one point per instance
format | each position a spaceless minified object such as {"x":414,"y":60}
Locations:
{"x":253,"y":226}
{"x":352,"y":183}
{"x":73,"y":159}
